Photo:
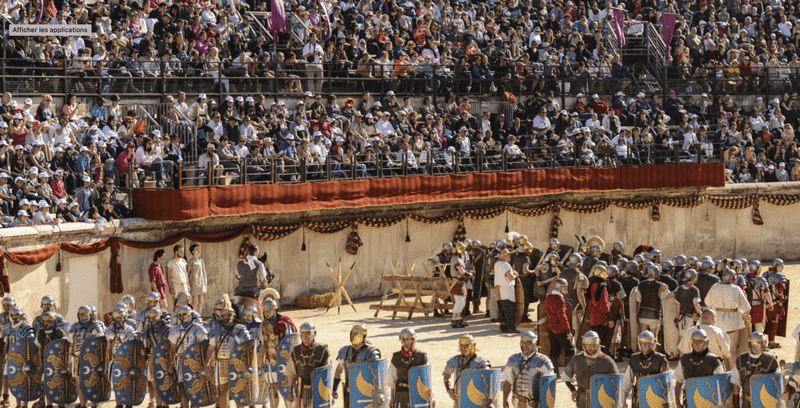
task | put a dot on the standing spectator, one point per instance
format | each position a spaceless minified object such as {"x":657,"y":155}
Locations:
{"x":156,"y":274}
{"x":197,"y":277}
{"x":314,"y":54}
{"x":177,"y":278}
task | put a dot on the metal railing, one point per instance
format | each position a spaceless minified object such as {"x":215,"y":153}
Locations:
{"x":169,"y":121}
{"x":283,"y":170}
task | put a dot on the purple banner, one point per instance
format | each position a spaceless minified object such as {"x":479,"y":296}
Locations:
{"x":619,"y":26}
{"x":667,"y":28}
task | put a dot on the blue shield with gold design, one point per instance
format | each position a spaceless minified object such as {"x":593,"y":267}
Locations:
{"x":419,"y":386}
{"x":709,"y":391}
{"x":199,"y":384}
{"x":547,"y":391}
{"x":656,"y":391}
{"x":164,"y":375}
{"x":263,"y":387}
{"x":128,"y":374}
{"x":243,"y":374}
{"x":606,"y":390}
{"x":285,"y":347}
{"x":766,"y":390}
{"x":92,"y":377}
{"x":367,"y":381}
{"x":59,"y":385}
{"x":321,"y":384}
{"x":479,"y":387}
{"x":24,"y":370}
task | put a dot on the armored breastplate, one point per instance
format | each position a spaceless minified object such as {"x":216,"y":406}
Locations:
{"x":530,"y":372}
{"x":749,"y":366}
{"x":306,"y":361}
{"x":402,"y":364}
{"x":270,"y":345}
{"x":650,"y":307}
{"x":643,"y":367}
{"x":226,"y":341}
{"x":697,"y":366}
{"x":685,"y":296}
{"x":189,"y":336}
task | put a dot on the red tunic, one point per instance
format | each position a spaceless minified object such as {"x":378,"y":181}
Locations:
{"x":599,"y":309}
{"x":558,"y":314}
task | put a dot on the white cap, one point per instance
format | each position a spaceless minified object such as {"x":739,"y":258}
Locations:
{"x":595,"y":96}
{"x":758,"y":165}
{"x":4,"y":175}
{"x":18,"y":116}
{"x":377,"y":103}
{"x":586,"y":129}
{"x":22,"y":212}
{"x":84,"y":149}
{"x":281,"y":103}
{"x":59,"y":172}
{"x":112,"y":36}
{"x":44,"y":173}
{"x":58,"y":149}
{"x":101,"y":144}
{"x":73,"y":204}
{"x":781,"y":164}
{"x":239,"y":99}
{"x":704,"y":95}
{"x":578,"y":95}
{"x":94,"y":127}
{"x":776,"y":100}
{"x":309,"y":94}
{"x":17,"y":147}
{"x":156,"y":133}
{"x":368,"y":115}
{"x":12,"y":103}
{"x":43,"y":204}
{"x":249,"y":99}
{"x":61,"y":201}
{"x":290,"y":137}
{"x":3,"y":124}
{"x":34,"y":170}
{"x":97,"y":57}
{"x":24,"y":201}
{"x":620,"y":93}
{"x":229,"y":99}
{"x":29,"y":101}
{"x":317,"y":133}
{"x":87,"y":179}
{"x":202,"y":96}
{"x":640,"y":95}
{"x":390,"y":93}
{"x":770,"y":167}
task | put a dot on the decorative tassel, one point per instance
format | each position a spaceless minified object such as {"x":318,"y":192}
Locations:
{"x":461,"y":231}
{"x":58,"y":264}
{"x":757,"y":220}
{"x":507,"y":222}
{"x":4,"y":282}
{"x":555,"y":224}
{"x":656,"y":214}
{"x":408,"y":237}
{"x":303,"y":247}
{"x":611,"y":219}
{"x":244,"y":249}
{"x":115,"y":269}
{"x":353,"y":241}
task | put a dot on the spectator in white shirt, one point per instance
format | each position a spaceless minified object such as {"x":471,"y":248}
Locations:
{"x":313,"y":53}
{"x":541,"y":122}
{"x":384,"y":125}
{"x":405,"y":154}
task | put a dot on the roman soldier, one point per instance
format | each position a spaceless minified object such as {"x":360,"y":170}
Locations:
{"x":655,"y":256}
{"x":154,"y":330}
{"x":545,"y":273}
{"x":18,"y":329}
{"x":459,"y":267}
{"x":86,"y":328}
{"x":754,"y":361}
{"x":527,"y":275}
{"x":466,"y":359}
{"x":688,"y":297}
{"x":651,"y":292}
{"x":358,"y":351}
{"x":679,"y":262}
{"x":584,"y":365}
{"x":599,"y":308}
{"x":213,"y":324}
{"x":252,"y":323}
{"x":523,"y":373}
{"x":553,"y":246}
{"x":780,"y":298}
{"x":759,"y":295}
{"x":706,"y":279}
{"x":143,"y":317}
{"x":221,"y":343}
{"x":50,"y":331}
{"x":719,"y":343}
{"x":305,"y":358}
{"x":5,"y":321}
{"x":559,"y":322}
{"x":616,"y":251}
{"x":628,"y":282}
{"x":698,"y":363}
{"x":402,"y":361}
{"x":441,"y":264}
{"x":728,"y":300}
{"x":118,"y":332}
{"x":577,"y":283}
{"x":646,"y":362}
{"x":272,"y":330}
{"x":595,"y":247}
{"x":187,"y":331}
{"x":49,"y":305}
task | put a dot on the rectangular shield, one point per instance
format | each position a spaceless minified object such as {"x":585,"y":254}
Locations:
{"x":785,"y":304}
{"x":243,"y":374}
{"x":479,"y":388}
{"x":24,"y":370}
{"x":59,"y":383}
{"x":709,"y":391}
{"x":547,"y":391}
{"x":128,"y":374}
{"x":766,"y":390}
{"x":656,"y":391}
{"x":606,"y":391}
{"x":285,"y":347}
{"x":419,"y":386}
{"x":321,"y":384}
{"x":365,"y":379}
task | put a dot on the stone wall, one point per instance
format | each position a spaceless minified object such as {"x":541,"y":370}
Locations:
{"x":702,"y":230}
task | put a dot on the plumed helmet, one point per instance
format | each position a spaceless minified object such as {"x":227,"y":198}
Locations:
{"x":728,"y":275}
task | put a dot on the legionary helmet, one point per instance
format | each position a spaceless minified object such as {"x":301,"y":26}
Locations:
{"x":129,"y":301}
{"x":560,"y":284}
{"x":728,"y":275}
{"x":16,"y":314}
{"x":307,"y":333}
{"x":528,"y":342}
{"x":778,"y":264}
{"x":48,"y":320}
{"x":655,"y":256}
{"x":447,"y":247}
{"x":639,"y":259}
{"x":617,"y":246}
{"x":689,"y":275}
{"x":647,"y":338}
{"x":700,"y":338}
{"x":270,"y":309}
{"x":408,"y":333}
{"x":48,"y":303}
{"x":599,"y":271}
{"x":500,"y":244}
{"x":358,"y":335}
{"x":185,"y":314}
{"x":691,"y":262}
{"x":84,"y":314}
{"x":755,"y":266}
{"x":152,"y":299}
{"x":250,"y":314}
{"x":8,"y":303}
{"x":591,"y":343}
{"x":154,"y":315}
{"x":666,"y":266}
{"x":574,"y":259}
{"x":679,"y":260}
{"x":612,"y":271}
{"x":622,"y":263}
{"x":758,"y":342}
{"x":554,"y":244}
{"x":466,"y":345}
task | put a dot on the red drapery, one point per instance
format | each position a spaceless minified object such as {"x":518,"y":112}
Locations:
{"x":195,"y":203}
